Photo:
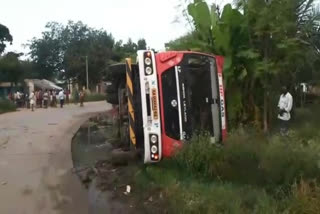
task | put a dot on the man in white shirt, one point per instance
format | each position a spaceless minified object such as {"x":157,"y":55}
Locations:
{"x":45,"y":98}
{"x":61,"y":98}
{"x":285,"y":107}
{"x":32,"y":98}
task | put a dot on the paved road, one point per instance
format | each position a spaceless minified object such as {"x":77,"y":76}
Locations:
{"x":35,"y":161}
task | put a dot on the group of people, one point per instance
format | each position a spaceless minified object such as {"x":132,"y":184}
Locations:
{"x":19,"y":98}
{"x":44,"y":98}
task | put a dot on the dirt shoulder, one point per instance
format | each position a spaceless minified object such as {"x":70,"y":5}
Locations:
{"x":35,"y":160}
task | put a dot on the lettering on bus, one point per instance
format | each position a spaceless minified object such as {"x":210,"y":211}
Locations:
{"x":221,"y":101}
{"x":154,"y":104}
{"x":222,"y":106}
{"x":185,"y":116}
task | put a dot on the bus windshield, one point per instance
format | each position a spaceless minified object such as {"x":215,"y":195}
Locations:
{"x":191,"y":98}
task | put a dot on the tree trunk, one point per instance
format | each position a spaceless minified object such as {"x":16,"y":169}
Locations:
{"x":265,"y":112}
{"x":265,"y":93}
{"x":270,"y":111}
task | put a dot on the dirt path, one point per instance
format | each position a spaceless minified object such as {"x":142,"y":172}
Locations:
{"x":35,"y":161}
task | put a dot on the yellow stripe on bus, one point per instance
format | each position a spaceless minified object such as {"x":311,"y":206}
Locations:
{"x":131,"y":111}
{"x":132,"y":136}
{"x":128,"y":60}
{"x":129,"y":84}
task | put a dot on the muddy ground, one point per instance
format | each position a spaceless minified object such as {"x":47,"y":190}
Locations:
{"x":108,"y":170}
{"x":35,"y":160}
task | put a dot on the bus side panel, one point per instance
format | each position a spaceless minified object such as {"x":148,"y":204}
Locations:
{"x":220,"y":61}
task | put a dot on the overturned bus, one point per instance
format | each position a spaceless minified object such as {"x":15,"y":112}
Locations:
{"x":165,"y":98}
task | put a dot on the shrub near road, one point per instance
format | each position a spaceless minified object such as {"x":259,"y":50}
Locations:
{"x":6,"y":106}
{"x":252,"y":173}
{"x":94,"y":97}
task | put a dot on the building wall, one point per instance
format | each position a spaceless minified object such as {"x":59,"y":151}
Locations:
{"x":6,"y":88}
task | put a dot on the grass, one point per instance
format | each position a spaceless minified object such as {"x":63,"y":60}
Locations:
{"x":6,"y":106}
{"x":252,"y":173}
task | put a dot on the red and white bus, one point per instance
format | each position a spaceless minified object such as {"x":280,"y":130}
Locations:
{"x":171,"y":96}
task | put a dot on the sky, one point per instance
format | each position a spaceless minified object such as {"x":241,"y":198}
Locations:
{"x":153,"y":20}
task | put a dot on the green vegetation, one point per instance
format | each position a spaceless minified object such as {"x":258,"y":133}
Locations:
{"x":12,"y":69}
{"x":265,"y":45}
{"x":60,"y":54}
{"x":5,"y":37}
{"x":6,"y":106}
{"x":62,"y":50}
{"x":92,"y":97}
{"x":251,"y":173}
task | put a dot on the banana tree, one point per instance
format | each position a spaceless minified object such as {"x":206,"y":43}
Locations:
{"x":227,"y":34}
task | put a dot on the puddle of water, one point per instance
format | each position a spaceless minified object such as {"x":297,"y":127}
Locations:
{"x":92,"y":143}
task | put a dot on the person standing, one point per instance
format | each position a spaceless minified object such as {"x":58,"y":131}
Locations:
{"x":45,"y":98}
{"x":54,"y":98}
{"x":41,"y":98}
{"x":18,"y":99}
{"x":81,"y":95}
{"x":32,"y":98}
{"x":61,"y":98}
{"x":50,"y":98}
{"x":76,"y":96}
{"x":27,"y":102}
{"x":285,"y":107}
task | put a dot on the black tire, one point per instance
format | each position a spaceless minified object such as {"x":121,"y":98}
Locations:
{"x":112,"y":89}
{"x":112,"y":98}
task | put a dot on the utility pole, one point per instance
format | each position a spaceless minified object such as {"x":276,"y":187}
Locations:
{"x":87,"y":74}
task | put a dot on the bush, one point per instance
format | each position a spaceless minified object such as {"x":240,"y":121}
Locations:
{"x":250,"y":173}
{"x":94,"y":97}
{"x":6,"y":106}
{"x":304,"y":198}
{"x":180,"y":193}
{"x":253,"y":160}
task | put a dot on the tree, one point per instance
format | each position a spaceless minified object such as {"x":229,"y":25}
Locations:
{"x":28,"y":70}
{"x":10,"y":68}
{"x":5,"y":36}
{"x":47,"y":52}
{"x":129,"y":49}
{"x":61,"y":51}
{"x":142,"y":44}
{"x":263,"y":44}
{"x":227,"y":34}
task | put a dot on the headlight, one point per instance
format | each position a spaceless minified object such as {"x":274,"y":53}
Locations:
{"x":148,"y":70}
{"x":154,"y":149}
{"x":153,"y":138}
{"x":147,"y":61}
